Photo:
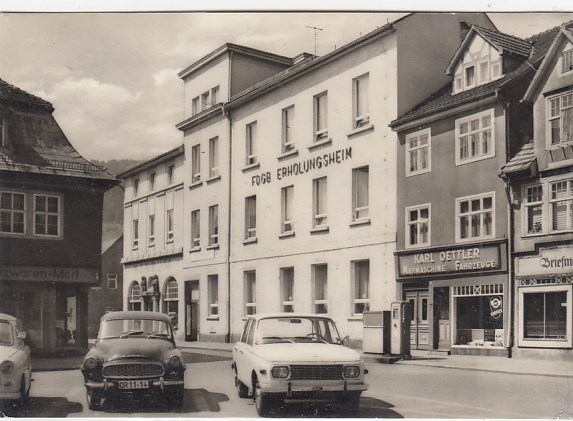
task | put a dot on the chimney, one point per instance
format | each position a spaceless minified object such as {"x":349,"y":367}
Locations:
{"x":464,"y":29}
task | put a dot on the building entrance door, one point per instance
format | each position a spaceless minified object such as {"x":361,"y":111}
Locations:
{"x":191,"y":310}
{"x":419,"y":330}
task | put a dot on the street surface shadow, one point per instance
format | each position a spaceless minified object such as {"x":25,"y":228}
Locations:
{"x":426,"y":359}
{"x":369,"y":408}
{"x":44,"y":407}
{"x":195,"y":358}
{"x":194,"y":400}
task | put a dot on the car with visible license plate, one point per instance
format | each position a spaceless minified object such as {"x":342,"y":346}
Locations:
{"x":15,"y":361}
{"x":134,"y":355}
{"x":290,"y":357}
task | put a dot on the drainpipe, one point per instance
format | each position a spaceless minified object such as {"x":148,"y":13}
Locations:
{"x":230,"y":169}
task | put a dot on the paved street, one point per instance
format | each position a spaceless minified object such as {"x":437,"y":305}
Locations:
{"x":396,"y":391}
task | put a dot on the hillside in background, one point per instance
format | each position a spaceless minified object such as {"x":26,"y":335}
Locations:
{"x":112,"y":226}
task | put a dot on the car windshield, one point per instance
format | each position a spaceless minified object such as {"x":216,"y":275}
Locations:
{"x":134,"y":328}
{"x":6,"y":337}
{"x":297,"y":330}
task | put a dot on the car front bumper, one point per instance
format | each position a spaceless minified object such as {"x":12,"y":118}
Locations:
{"x":155,"y":384}
{"x":292,"y":389}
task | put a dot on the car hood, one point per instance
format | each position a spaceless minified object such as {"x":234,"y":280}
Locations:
{"x":6,"y":352}
{"x":306,"y":353}
{"x":113,"y":349}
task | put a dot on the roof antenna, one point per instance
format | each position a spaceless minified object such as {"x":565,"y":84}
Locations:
{"x":315,"y":29}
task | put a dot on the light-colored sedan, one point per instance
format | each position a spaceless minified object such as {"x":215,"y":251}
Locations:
{"x":15,"y":362}
{"x":296,"y":357}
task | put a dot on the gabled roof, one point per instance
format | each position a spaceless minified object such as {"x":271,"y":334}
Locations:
{"x":12,"y":94}
{"x":166,"y":156}
{"x":38,"y":144}
{"x":520,"y":163}
{"x":443,"y":99}
{"x":565,"y":32}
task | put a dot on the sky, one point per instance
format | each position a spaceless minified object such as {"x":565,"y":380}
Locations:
{"x":112,"y":77}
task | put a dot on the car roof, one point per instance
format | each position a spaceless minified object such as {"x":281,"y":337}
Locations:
{"x":260,"y":316}
{"x":146,"y":315}
{"x":8,"y":317}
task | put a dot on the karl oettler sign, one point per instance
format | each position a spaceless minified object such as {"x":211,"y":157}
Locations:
{"x":554,"y":261}
{"x":47,"y":274}
{"x":458,"y":260}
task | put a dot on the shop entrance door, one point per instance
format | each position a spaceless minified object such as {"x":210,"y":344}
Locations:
{"x":191,"y":310}
{"x":419,"y":331}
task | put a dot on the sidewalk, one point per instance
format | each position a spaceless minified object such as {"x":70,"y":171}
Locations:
{"x":521,"y":366}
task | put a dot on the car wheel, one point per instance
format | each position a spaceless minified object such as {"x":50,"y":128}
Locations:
{"x":24,"y":391}
{"x":94,"y":399}
{"x":263,"y":401}
{"x":242,"y":389}
{"x":350,"y":404}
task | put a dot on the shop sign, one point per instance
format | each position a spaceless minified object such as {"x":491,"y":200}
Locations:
{"x":302,"y":167}
{"x":47,"y":274}
{"x":496,"y":307}
{"x":550,"y":261}
{"x":460,"y":260}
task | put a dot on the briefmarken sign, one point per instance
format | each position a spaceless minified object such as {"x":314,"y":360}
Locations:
{"x":550,"y":261}
{"x":47,"y":274}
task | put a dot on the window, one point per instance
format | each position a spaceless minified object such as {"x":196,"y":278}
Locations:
{"x":134,"y":300}
{"x":474,"y":138}
{"x":287,"y":289}
{"x":533,"y":204}
{"x":545,"y":314}
{"x":250,"y":277}
{"x":560,"y":124}
{"x":195,"y":106}
{"x":195,"y":229}
{"x":320,"y":117}
{"x":319,"y":202}
{"x":111,"y":281}
{"x":251,"y":217}
{"x":418,"y":226}
{"x":12,"y":210}
{"x":196,"y":163}
{"x":561,"y":204}
{"x":474,"y":217}
{"x":205,"y":100}
{"x":360,"y":193}
{"x":135,"y":186}
{"x":287,"y":194}
{"x":418,"y":152}
{"x":151,"y":230}
{"x":360,"y":89}
{"x":213,"y":292}
{"x":361,"y":281}
{"x":169,"y":221}
{"x":213,"y":157}
{"x":135,"y":233}
{"x":288,"y":124}
{"x":151,"y":181}
{"x":171,"y":301}
{"x":46,"y":215}
{"x":3,"y":141}
{"x":566,"y":61}
{"x":213,"y":225}
{"x":215,"y":95}
{"x":319,"y":275}
{"x":470,"y":76}
{"x":170,"y":173}
{"x":252,"y":143}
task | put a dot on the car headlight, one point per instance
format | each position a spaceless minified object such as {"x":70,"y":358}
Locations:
{"x":90,"y":363}
{"x":174,"y":361}
{"x":351,"y":371}
{"x":7,"y":368}
{"x":280,"y":371}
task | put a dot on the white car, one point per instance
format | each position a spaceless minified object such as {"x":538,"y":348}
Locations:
{"x":296,"y":357}
{"x":15,"y":362}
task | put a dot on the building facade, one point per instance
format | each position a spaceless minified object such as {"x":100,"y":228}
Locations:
{"x":540,"y":179}
{"x":50,"y":224}
{"x":154,"y":236}
{"x":452,"y":259}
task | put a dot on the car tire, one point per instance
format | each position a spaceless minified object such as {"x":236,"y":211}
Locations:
{"x":24,"y":392}
{"x":350,"y":404}
{"x":263,"y":401}
{"x":242,"y":389}
{"x":94,"y":399}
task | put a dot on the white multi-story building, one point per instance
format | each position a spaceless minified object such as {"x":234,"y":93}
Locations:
{"x":289,"y":198}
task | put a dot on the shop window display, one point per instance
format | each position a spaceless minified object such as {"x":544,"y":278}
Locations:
{"x":479,"y":321}
{"x":545,"y":315}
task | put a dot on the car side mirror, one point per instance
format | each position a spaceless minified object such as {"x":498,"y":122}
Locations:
{"x":22,"y":335}
{"x":345,"y":340}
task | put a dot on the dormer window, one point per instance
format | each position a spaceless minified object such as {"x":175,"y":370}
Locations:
{"x":567,"y":60}
{"x":480,"y":64}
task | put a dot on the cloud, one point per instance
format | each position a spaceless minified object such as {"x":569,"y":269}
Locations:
{"x":165,"y":75}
